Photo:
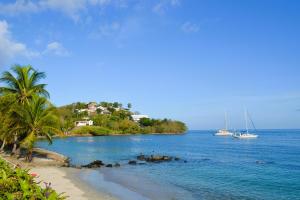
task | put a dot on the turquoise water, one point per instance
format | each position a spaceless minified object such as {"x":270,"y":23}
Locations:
{"x":217,"y":167}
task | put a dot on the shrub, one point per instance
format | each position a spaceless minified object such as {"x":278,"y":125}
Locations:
{"x":18,"y":185}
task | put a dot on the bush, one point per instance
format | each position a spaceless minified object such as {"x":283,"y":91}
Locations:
{"x":18,"y":185}
{"x":93,"y":130}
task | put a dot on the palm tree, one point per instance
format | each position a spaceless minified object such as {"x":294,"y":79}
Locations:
{"x":23,"y":84}
{"x":36,"y":119}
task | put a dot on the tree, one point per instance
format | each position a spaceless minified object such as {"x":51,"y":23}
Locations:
{"x":23,"y":84}
{"x":129,"y":106}
{"x":36,"y":118}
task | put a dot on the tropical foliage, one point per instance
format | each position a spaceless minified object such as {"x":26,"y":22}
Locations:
{"x":114,"y":122}
{"x":25,"y":110}
{"x":19,"y":185}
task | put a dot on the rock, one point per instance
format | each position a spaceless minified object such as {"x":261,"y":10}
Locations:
{"x":132,"y":162}
{"x":117,"y":165}
{"x":185,"y":161}
{"x":109,"y":165}
{"x":141,"y":157}
{"x":94,"y":164}
{"x":176,"y":158}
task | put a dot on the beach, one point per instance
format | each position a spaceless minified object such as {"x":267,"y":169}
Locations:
{"x":64,"y":180}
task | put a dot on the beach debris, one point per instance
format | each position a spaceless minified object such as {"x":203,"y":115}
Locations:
{"x":132,"y":162}
{"x":109,"y":165}
{"x":94,"y":164}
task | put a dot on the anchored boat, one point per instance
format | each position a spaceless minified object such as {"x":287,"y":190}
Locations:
{"x":224,"y":132}
{"x":246,"y":135}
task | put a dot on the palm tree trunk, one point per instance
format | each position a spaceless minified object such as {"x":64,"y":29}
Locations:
{"x":3,"y":145}
{"x":14,"y":150}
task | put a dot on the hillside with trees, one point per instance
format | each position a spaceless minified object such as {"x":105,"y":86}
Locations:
{"x":112,"y":118}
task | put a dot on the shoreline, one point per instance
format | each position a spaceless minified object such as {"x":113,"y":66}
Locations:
{"x":113,"y":134}
{"x":66,"y":182}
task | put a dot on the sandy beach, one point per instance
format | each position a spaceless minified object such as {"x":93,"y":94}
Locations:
{"x":64,"y":180}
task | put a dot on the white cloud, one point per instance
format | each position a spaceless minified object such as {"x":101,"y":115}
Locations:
{"x":71,"y":8}
{"x":57,"y":49}
{"x":19,"y":7}
{"x":9,"y":48}
{"x":189,"y":27}
{"x":163,"y":5}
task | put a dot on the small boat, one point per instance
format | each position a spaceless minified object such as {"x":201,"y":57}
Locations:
{"x":224,"y":132}
{"x":245,"y":135}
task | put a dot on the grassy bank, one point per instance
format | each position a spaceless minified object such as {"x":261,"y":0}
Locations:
{"x":17,"y":184}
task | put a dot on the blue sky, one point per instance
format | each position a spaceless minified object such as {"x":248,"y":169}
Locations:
{"x":182,"y":59}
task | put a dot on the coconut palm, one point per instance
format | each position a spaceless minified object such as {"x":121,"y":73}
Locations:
{"x":23,"y":83}
{"x":35,"y":119}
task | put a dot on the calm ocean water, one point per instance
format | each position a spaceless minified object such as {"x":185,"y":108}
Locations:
{"x":217,"y":167}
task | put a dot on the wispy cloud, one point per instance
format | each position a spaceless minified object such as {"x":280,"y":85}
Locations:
{"x":71,"y":8}
{"x":57,"y":49}
{"x":9,"y":48}
{"x":189,"y":27}
{"x":163,"y":5}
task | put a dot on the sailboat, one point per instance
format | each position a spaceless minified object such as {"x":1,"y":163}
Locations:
{"x":245,"y":135}
{"x":224,"y":132}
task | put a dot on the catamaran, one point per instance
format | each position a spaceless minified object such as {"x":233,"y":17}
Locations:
{"x":224,"y":132}
{"x":245,"y":135}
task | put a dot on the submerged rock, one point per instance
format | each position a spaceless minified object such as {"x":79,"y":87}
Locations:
{"x":132,"y":162}
{"x":109,"y":165}
{"x":154,"y":158}
{"x":117,"y":165}
{"x":94,"y":164}
{"x":176,"y":158}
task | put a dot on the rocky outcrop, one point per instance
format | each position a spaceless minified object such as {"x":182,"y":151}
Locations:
{"x":94,"y":164}
{"x":156,"y":158}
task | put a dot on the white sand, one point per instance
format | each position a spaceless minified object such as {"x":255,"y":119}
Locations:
{"x":64,"y":184}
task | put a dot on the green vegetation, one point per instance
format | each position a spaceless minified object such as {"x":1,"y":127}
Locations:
{"x":116,"y":122}
{"x":25,"y":111}
{"x":19,"y":185}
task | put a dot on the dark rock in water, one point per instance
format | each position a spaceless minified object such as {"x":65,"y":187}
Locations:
{"x":185,"y":161}
{"x":141,"y":157}
{"x":94,"y":164}
{"x":158,"y":158}
{"x":176,"y":158}
{"x":132,"y":162}
{"x":109,"y":165}
{"x":155,"y":158}
{"x":117,"y":165}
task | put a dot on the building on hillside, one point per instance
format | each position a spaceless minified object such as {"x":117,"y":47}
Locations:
{"x":84,"y":123}
{"x":137,"y":118}
{"x":92,"y":107}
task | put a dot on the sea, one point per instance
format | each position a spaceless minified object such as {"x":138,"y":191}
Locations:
{"x":210,"y":167}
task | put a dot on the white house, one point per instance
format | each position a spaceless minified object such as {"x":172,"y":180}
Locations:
{"x":84,"y":123}
{"x":137,"y":118}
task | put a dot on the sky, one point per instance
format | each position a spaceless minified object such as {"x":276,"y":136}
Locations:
{"x":190,"y":60}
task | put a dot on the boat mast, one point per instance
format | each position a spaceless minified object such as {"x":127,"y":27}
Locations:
{"x":226,"y":126}
{"x":246,"y":118}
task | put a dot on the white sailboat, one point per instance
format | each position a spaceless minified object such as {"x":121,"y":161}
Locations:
{"x":245,"y":135}
{"x":224,"y":132}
